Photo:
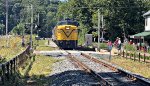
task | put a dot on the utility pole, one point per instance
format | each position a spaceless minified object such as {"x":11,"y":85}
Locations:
{"x":125,"y":39}
{"x":7,"y":23}
{"x":102,"y":20}
{"x":38,"y":25}
{"x":98,"y":29}
{"x":38,"y":18}
{"x":31,"y":26}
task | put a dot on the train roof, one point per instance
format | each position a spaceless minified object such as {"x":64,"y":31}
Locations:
{"x":68,"y":22}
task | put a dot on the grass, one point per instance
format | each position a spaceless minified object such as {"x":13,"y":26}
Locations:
{"x":42,"y":42}
{"x":42,"y":46}
{"x":133,"y":66}
{"x":14,"y":47}
{"x":101,"y":45}
{"x":42,"y":65}
{"x":38,"y":70}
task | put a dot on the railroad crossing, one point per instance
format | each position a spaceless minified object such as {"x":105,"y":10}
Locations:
{"x":74,"y":43}
{"x":101,"y":72}
{"x":80,"y":68}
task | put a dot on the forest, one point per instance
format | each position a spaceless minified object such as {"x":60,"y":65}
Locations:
{"x":121,"y":17}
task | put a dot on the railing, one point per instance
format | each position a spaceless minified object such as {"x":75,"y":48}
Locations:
{"x":9,"y":69}
{"x":136,"y":56}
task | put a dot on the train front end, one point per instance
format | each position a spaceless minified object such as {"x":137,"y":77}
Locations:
{"x":66,"y":34}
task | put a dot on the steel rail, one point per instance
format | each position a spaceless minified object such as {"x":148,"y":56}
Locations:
{"x":115,"y":69}
{"x":102,"y":81}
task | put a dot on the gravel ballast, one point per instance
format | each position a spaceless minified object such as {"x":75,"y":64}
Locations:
{"x":64,"y":73}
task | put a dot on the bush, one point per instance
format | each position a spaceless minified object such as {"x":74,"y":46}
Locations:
{"x":103,"y":45}
{"x":130,"y":47}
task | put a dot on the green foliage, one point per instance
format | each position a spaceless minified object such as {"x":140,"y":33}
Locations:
{"x":2,"y":28}
{"x":130,"y":47}
{"x":81,"y":40}
{"x":121,"y":16}
{"x":103,"y":45}
{"x":94,"y":34}
{"x":125,"y":17}
{"x":19,"y":29}
{"x":20,"y":12}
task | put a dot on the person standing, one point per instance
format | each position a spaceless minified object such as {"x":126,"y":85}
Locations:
{"x":131,"y":42}
{"x":116,"y":42}
{"x":119,"y":45}
{"x":109,"y":44}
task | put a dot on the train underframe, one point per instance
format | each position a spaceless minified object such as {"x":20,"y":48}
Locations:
{"x":67,"y":44}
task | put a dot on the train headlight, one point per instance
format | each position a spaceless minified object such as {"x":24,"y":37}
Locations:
{"x":67,"y":28}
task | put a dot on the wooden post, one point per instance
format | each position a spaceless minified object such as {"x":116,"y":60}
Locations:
{"x":14,"y":69}
{"x":18,"y":60}
{"x":15,"y":63}
{"x":7,"y":73}
{"x":11,"y":67}
{"x":130,"y":55}
{"x":134,"y":56}
{"x":126,"y":54}
{"x":144,"y":57}
{"x":139,"y":56}
{"x":98,"y":29}
{"x":3,"y":73}
{"x":123,"y":53}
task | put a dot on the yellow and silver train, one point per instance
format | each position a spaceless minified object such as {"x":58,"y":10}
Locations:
{"x":65,"y":34}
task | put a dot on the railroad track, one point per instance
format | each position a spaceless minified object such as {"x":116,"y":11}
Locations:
{"x":107,"y":74}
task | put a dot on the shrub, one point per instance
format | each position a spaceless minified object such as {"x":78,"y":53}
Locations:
{"x":130,"y":47}
{"x":103,"y":45}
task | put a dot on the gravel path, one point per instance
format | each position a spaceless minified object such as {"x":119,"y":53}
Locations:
{"x":64,"y":73}
{"x":62,"y":66}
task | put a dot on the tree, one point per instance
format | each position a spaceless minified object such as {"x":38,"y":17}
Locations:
{"x":2,"y":26}
{"x":19,"y":29}
{"x":121,"y":16}
{"x":124,"y":17}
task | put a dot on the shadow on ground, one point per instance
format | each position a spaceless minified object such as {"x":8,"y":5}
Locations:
{"x":67,"y":78}
{"x":72,"y":78}
{"x":81,"y":48}
{"x":119,"y":79}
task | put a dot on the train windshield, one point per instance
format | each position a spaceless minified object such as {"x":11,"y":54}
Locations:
{"x":68,"y":23}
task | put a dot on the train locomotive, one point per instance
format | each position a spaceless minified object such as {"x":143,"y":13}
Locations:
{"x":65,"y":34}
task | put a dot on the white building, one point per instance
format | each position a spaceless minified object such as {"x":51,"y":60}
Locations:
{"x":144,"y":37}
{"x":147,"y":21}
